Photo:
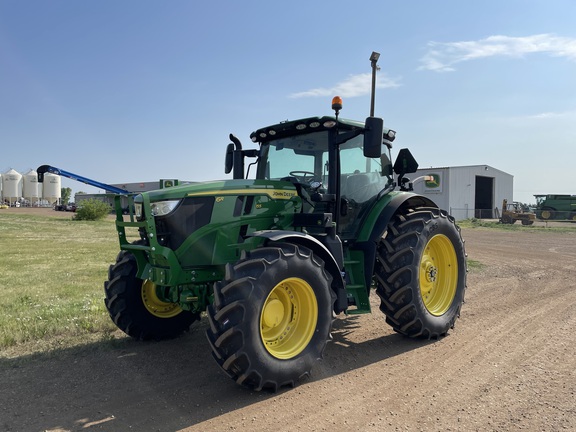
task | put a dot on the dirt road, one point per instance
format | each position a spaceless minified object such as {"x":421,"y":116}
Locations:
{"x":508,"y":365}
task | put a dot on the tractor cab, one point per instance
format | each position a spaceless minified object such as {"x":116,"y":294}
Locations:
{"x":326,"y":159}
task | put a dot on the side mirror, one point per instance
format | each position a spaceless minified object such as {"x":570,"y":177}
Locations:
{"x":229,"y":161}
{"x":405,"y":163}
{"x":373,"y":133}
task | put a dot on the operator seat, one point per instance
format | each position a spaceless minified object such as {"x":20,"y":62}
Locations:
{"x":358,"y":188}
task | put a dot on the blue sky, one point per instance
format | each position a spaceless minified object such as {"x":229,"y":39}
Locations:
{"x":137,"y":90}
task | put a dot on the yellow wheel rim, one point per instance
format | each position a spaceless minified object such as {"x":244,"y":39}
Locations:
{"x":154,"y":305}
{"x":288,"y":318}
{"x":438,"y":275}
{"x":546,"y":214}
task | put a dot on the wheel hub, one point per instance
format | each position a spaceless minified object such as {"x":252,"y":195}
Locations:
{"x":431,"y":273}
{"x":288,"y":318}
{"x":273,"y":313}
{"x":155,"y":305}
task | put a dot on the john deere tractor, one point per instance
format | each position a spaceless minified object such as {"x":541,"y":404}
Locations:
{"x":320,"y":220}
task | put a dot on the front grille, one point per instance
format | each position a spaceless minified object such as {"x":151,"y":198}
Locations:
{"x":192,"y":214}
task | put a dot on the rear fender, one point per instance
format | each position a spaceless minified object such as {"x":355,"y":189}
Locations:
{"x":331,"y":266}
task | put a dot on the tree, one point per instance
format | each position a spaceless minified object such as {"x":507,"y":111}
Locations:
{"x":65,"y":194}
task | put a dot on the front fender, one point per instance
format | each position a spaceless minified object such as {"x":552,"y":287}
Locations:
{"x":312,"y":243}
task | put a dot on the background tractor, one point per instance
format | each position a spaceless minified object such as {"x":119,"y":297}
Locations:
{"x":325,"y":220}
{"x":556,"y":207}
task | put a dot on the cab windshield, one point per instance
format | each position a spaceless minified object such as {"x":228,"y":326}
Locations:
{"x":305,"y":158}
{"x":309,"y":153}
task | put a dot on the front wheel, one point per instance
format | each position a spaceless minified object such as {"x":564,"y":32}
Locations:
{"x":136,"y":308}
{"x":547,"y":214}
{"x":271,"y":316}
{"x":421,"y":273}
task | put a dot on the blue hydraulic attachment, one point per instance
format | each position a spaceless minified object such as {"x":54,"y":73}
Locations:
{"x":108,"y":188}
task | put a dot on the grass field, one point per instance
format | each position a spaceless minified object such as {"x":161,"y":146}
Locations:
{"x":51,"y":279}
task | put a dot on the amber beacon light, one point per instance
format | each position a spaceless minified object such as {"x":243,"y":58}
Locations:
{"x":336,"y":103}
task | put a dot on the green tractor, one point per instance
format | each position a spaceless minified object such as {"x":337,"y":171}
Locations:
{"x":273,"y":259}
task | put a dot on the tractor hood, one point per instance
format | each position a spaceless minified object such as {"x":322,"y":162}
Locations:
{"x":273,"y":189}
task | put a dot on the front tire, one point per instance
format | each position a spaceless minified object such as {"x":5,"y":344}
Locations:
{"x":547,"y":214}
{"x":271,"y":317}
{"x":136,"y":309}
{"x":421,"y":273}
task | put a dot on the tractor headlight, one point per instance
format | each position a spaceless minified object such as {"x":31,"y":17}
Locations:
{"x":138,"y":210}
{"x":162,"y":208}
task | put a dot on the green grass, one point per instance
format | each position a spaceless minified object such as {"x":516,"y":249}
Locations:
{"x":560,"y":227}
{"x":474,"y":265}
{"x":51,"y":279}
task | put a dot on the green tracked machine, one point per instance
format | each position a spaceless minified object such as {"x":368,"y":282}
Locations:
{"x":272,"y":260}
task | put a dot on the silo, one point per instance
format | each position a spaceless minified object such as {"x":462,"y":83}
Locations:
{"x":51,"y":188}
{"x":30,"y":189}
{"x":11,"y":186}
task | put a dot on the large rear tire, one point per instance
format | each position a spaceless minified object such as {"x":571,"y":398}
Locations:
{"x":271,"y":317}
{"x":134,"y":306}
{"x":421,"y":273}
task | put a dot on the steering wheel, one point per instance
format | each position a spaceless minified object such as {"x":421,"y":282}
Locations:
{"x":303,"y":176}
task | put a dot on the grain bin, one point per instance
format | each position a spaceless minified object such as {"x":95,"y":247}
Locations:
{"x":51,"y":188}
{"x":11,"y":186}
{"x":30,"y":187}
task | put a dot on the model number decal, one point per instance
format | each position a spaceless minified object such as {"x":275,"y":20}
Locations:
{"x":272,"y":193}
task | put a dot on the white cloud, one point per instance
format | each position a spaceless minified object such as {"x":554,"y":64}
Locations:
{"x":538,"y":119}
{"x":553,"y":115}
{"x":441,"y":57}
{"x":353,"y":86}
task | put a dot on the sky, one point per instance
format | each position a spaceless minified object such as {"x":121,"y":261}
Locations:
{"x":139,"y":90}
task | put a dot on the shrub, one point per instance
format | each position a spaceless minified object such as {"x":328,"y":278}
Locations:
{"x":92,"y":209}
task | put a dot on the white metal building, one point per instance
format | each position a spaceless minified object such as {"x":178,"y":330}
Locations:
{"x":465,"y":191}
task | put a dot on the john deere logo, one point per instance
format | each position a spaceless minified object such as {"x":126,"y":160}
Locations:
{"x":433,"y":181}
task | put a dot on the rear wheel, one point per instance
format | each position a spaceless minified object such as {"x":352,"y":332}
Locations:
{"x":271,"y":316}
{"x":421,"y":273}
{"x":136,"y":308}
{"x":527,"y":222}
